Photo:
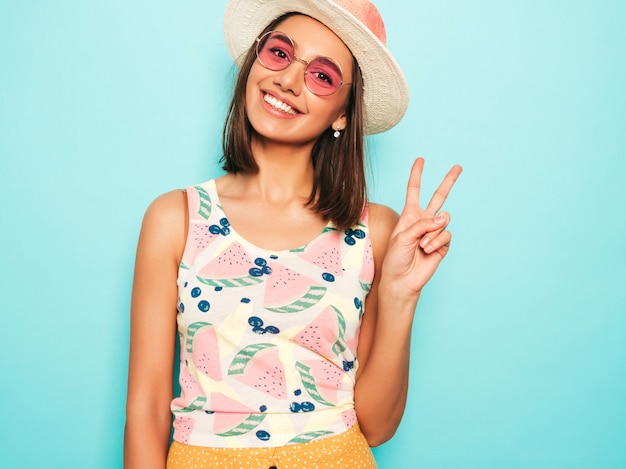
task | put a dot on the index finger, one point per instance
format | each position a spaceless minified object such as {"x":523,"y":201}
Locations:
{"x":413,"y":186}
{"x":441,"y":194}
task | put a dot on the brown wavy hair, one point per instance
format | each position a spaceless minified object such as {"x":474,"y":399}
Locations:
{"x":339,"y":188}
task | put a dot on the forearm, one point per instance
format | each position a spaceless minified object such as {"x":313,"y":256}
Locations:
{"x":146,"y":441}
{"x":382,"y":383}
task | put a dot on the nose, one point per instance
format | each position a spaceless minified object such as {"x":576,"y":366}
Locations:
{"x":291,"y":78}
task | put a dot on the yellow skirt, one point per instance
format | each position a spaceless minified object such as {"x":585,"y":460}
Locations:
{"x":343,"y":451}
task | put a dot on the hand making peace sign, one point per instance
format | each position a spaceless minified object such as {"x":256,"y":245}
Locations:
{"x":420,"y":239}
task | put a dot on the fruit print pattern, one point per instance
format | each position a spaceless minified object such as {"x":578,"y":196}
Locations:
{"x":268,"y":338}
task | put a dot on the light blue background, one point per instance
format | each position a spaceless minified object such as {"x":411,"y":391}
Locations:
{"x":519,"y":353}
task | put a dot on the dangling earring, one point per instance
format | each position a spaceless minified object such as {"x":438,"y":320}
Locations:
{"x":337,"y":133}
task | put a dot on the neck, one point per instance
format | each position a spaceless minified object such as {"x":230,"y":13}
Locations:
{"x":285,"y":171}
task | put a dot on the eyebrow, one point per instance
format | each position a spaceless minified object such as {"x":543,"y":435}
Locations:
{"x":285,"y":38}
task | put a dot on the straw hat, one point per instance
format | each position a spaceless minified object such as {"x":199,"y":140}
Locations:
{"x":359,"y":25}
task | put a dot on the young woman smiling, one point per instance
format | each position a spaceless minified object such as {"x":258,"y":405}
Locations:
{"x":292,"y":295}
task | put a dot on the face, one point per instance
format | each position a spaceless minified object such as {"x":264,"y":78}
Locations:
{"x":279,"y":105}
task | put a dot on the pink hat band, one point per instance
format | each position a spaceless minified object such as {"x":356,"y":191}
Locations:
{"x":366,"y":13}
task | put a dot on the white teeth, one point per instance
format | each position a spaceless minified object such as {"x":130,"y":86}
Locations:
{"x":275,"y":103}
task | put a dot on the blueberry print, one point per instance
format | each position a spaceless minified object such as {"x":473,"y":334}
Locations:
{"x":257,"y":326}
{"x":307,"y":406}
{"x":195,"y":292}
{"x":204,"y":306}
{"x":255,"y":272}
{"x":223,"y":230}
{"x":262,"y":268}
{"x":274,"y":256}
{"x":359,"y":234}
{"x":297,"y":392}
{"x":245,"y":300}
{"x":347,"y":366}
{"x":263,"y":408}
{"x":328,"y":277}
{"x":181,"y":308}
{"x":255,"y":321}
{"x":301,"y":407}
{"x":219,"y":288}
{"x":262,"y":435}
{"x":351,"y":234}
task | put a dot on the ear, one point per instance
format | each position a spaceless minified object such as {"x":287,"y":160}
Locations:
{"x":340,"y":123}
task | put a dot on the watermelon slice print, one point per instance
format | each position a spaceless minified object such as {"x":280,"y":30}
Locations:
{"x":198,"y":239}
{"x":325,"y":254}
{"x":327,"y":229}
{"x":349,"y":418}
{"x":259,"y":367}
{"x":191,"y":397}
{"x":183,"y":426}
{"x":230,"y":269}
{"x":287,"y":291}
{"x":322,"y":379}
{"x":201,"y":199}
{"x":312,"y":383}
{"x":205,"y":351}
{"x":192,"y":330}
{"x":324,"y":334}
{"x":367,"y":270}
{"x":231,"y":418}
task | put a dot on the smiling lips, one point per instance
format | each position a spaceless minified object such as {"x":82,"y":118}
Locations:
{"x":277,"y":104}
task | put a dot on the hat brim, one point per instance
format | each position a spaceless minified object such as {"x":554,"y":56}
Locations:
{"x":386,"y":93}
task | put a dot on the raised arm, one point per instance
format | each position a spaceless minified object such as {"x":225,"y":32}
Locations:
{"x":407,"y":251}
{"x":153,"y":333}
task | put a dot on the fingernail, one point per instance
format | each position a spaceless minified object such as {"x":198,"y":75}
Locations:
{"x":424,"y":242}
{"x":439,"y":219}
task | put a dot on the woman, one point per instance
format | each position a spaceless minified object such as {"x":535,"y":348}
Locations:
{"x":293,"y":297}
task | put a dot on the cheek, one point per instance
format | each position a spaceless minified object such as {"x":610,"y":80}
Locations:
{"x":333,"y":109}
{"x":252,"y":84}
{"x":251,"y":93}
{"x":248,"y":94}
{"x":257,"y":73}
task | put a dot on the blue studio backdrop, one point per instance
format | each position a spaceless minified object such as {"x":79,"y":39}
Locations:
{"x":519,"y":342}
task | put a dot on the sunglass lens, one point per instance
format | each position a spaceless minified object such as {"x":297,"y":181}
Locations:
{"x":323,"y":76}
{"x":275,"y":51}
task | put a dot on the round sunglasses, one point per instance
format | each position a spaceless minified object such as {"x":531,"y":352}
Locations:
{"x":322,"y":75}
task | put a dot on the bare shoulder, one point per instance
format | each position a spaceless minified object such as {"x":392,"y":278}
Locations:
{"x":165,"y":222}
{"x":381,"y":220}
{"x":168,"y":207}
